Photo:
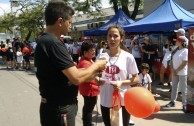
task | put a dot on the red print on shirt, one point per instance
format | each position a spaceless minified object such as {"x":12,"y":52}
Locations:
{"x":113,"y":69}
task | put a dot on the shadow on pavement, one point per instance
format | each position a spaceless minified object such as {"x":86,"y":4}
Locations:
{"x":173,"y":117}
{"x":96,"y":117}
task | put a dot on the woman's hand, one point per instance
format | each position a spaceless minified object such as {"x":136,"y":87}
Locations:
{"x":116,"y":84}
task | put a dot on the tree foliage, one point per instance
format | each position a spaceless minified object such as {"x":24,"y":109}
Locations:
{"x":93,"y":7}
{"x":29,"y":18}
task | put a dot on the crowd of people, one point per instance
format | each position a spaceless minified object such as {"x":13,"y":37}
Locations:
{"x":63,"y":71}
{"x":16,"y":54}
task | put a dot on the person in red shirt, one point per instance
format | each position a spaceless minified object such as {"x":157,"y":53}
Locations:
{"x":89,"y":90}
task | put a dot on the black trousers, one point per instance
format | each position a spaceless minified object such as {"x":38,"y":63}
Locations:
{"x":89,"y":104}
{"x":51,"y":115}
{"x":106,"y":116}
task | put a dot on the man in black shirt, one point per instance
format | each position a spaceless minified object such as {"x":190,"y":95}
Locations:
{"x":56,"y":72}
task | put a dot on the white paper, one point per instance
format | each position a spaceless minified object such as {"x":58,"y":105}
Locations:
{"x":103,"y":56}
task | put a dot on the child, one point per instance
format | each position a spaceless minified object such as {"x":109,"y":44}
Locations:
{"x":144,"y":78}
{"x":19,"y":58}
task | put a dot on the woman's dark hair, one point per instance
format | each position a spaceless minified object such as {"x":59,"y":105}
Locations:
{"x":86,"y":46}
{"x":57,"y":9}
{"x":170,"y":38}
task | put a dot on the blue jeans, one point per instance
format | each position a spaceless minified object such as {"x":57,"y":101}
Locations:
{"x":51,"y":115}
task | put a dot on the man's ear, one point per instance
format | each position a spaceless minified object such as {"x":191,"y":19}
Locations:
{"x":60,"y":20}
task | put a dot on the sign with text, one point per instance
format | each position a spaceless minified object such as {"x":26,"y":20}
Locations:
{"x":190,"y":81}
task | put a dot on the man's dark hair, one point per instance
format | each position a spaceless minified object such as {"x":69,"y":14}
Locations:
{"x":57,"y":9}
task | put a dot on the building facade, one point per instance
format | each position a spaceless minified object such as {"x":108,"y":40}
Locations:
{"x":83,"y":22}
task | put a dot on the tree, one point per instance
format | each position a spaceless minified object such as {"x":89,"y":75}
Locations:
{"x":31,"y":19}
{"x":125,"y":4}
{"x":88,"y":6}
{"x":28,"y":19}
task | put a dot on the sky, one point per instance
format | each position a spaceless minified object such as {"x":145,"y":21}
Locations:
{"x":5,"y":6}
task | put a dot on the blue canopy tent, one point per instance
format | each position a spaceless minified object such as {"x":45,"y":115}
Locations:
{"x":119,"y":18}
{"x":169,"y":16}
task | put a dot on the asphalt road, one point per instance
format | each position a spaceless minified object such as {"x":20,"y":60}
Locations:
{"x":19,"y":104}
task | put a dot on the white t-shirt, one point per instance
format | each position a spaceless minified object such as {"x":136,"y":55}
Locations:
{"x":19,"y":57}
{"x":178,"y":58}
{"x":74,"y":49}
{"x":9,"y":45}
{"x":136,"y":51}
{"x":100,"y":51}
{"x":145,"y":80}
{"x":167,"y":57}
{"x":121,"y":68}
{"x":128,"y":42}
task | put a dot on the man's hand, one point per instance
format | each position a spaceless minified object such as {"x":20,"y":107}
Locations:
{"x":101,"y":64}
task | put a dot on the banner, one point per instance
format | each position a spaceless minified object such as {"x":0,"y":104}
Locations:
{"x":191,"y":66}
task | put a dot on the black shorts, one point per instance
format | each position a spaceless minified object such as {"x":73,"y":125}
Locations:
{"x":3,"y":53}
{"x":9,"y":56}
{"x":27,"y":58}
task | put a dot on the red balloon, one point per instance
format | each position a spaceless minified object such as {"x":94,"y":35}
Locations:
{"x":139,"y":102}
{"x":157,"y":107}
{"x":3,"y":50}
{"x":25,"y":50}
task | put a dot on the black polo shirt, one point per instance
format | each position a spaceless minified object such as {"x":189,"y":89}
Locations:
{"x":149,"y":48}
{"x":51,"y":57}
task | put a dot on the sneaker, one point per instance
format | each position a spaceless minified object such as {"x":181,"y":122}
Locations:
{"x":184,"y":108}
{"x":161,"y":83}
{"x":131,"y":122}
{"x":170,"y":104}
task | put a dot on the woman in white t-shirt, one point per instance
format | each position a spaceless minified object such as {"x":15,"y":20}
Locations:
{"x":120,"y":65}
{"x":179,"y":71}
{"x":167,"y":50}
{"x":136,"y":51}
